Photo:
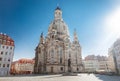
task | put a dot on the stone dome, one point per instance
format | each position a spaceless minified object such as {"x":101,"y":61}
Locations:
{"x":58,"y":26}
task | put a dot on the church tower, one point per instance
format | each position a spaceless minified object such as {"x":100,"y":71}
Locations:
{"x":58,"y":14}
{"x":76,"y":53}
{"x":41,"y":38}
{"x":75,"y":40}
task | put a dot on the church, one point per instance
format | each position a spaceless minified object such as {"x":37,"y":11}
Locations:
{"x":55,"y":53}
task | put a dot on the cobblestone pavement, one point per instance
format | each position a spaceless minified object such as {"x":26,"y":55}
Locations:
{"x":80,"y":77}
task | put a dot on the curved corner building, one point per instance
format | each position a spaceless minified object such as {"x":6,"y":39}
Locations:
{"x":6,"y":54}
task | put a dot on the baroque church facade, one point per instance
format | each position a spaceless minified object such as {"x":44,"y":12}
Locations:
{"x":56,"y":53}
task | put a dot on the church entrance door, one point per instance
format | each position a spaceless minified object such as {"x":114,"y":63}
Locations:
{"x":51,"y":69}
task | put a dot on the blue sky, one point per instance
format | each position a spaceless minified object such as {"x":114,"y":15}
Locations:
{"x":24,"y":20}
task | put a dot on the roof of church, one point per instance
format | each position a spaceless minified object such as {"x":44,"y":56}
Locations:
{"x":58,"y":8}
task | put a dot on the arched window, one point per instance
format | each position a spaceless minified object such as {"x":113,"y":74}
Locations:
{"x":39,"y":50}
{"x":52,"y":55}
{"x":61,"y":68}
{"x":60,"y":53}
{"x":69,"y":54}
{"x":76,"y":57}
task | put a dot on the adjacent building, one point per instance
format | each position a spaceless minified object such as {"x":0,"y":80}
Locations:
{"x":94,"y":63}
{"x":103,"y":66}
{"x":114,"y":57}
{"x":22,"y":66}
{"x":98,"y":57}
{"x":6,"y":54}
{"x":91,"y":65}
{"x":111,"y":60}
{"x":55,"y":53}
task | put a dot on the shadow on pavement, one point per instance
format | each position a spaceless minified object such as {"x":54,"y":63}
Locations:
{"x":107,"y":77}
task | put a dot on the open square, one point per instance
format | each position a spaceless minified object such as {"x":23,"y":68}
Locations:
{"x":59,"y":77}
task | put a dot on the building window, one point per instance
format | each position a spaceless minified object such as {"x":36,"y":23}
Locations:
{"x":0,"y":59}
{"x":6,"y":53}
{"x":3,"y":47}
{"x":4,"y":59}
{"x":0,"y":65}
{"x":52,"y":55}
{"x":4,"y":42}
{"x":60,"y":53}
{"x":60,"y":60}
{"x":11,"y":48}
{"x":76,"y":57}
{"x":77,"y":69}
{"x":52,"y":69}
{"x":3,"y":65}
{"x":55,"y":12}
{"x":58,"y":13}
{"x":8,"y":59}
{"x":1,"y":52}
{"x":7,"y":47}
{"x":10,"y":53}
{"x":7,"y":65}
{"x":52,"y":36}
{"x":61,"y":68}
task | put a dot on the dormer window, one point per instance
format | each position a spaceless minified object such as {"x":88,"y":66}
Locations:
{"x":11,"y":43}
{"x":4,"y":41}
{"x":0,"y":40}
{"x":8,"y":42}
